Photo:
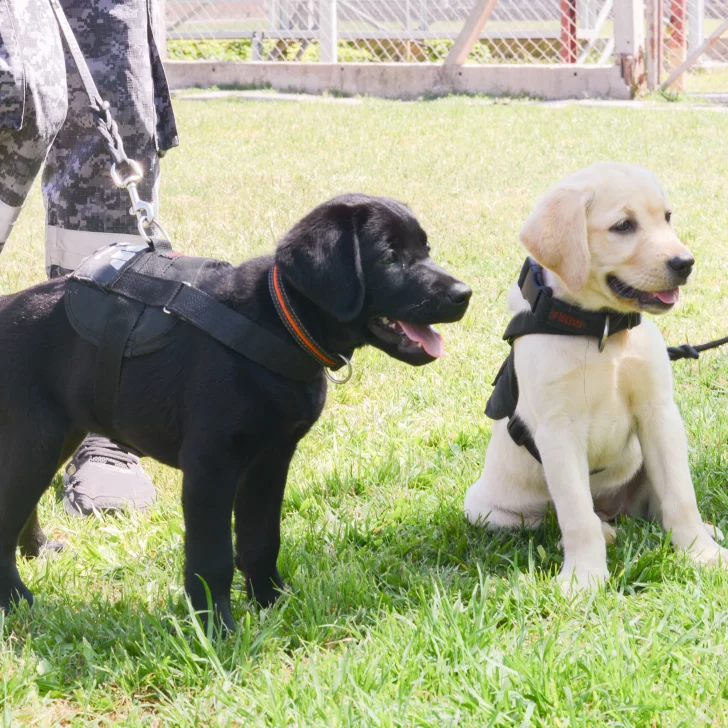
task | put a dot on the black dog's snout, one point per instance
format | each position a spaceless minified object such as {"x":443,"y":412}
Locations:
{"x":459,"y":293}
{"x":682,"y":265}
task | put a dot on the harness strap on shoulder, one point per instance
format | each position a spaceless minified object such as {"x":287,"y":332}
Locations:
{"x":521,"y":435}
{"x":219,"y":321}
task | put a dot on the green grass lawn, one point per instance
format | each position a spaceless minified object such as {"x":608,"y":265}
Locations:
{"x":707,"y":80}
{"x":403,"y":614}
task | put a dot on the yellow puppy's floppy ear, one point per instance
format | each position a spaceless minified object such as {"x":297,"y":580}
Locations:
{"x":555,"y":234}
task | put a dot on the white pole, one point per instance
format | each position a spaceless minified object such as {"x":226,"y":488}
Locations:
{"x":629,"y":27}
{"x":590,"y":14}
{"x":629,"y":39}
{"x":328,"y":31}
{"x":696,"y":23}
{"x":424,"y":22}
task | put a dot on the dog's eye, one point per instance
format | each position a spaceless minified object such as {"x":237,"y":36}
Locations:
{"x":626,"y":226}
{"x":668,"y":217}
{"x":388,"y":258}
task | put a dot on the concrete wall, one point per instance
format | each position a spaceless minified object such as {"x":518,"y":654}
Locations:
{"x":406,"y":80}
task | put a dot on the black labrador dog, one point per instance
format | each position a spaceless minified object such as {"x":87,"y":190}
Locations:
{"x":358,"y":271}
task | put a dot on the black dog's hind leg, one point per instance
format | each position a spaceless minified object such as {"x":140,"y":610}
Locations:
{"x":29,"y":457}
{"x":258,"y":520}
{"x":32,"y":541}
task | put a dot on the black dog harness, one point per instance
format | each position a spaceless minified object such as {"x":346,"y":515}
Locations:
{"x":127,"y":297}
{"x":548,"y":315}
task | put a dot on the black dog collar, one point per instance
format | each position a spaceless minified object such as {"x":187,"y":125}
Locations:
{"x":553,"y":313}
{"x":298,"y":331}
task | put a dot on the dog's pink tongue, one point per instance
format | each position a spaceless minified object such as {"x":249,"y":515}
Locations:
{"x":427,"y":336}
{"x":670,"y":296}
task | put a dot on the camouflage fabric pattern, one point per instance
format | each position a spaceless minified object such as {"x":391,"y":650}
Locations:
{"x":32,"y":93}
{"x":117,"y":41}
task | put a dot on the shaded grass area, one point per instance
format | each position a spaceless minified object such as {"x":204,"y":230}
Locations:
{"x":403,"y":614}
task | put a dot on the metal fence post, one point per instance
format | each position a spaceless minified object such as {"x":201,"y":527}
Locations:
{"x":629,"y":40}
{"x":589,"y":14}
{"x":327,"y":31}
{"x":696,"y":23}
{"x":424,"y":19}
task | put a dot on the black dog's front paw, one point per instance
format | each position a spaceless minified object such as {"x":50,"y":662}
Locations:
{"x":13,"y":594}
{"x":222,"y":618}
{"x":266,"y":592}
{"x":52,"y":547}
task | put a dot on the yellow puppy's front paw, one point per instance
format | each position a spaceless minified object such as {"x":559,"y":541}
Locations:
{"x":609,"y":532}
{"x":578,"y":578}
{"x":709,"y":553}
{"x":714,"y":532}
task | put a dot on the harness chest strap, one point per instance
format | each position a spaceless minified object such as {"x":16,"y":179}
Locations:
{"x":548,"y":315}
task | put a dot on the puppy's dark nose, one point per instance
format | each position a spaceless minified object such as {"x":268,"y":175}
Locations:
{"x":459,"y":293}
{"x":682,"y":265}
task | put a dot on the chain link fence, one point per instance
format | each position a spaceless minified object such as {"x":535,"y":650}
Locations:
{"x":518,"y":31}
{"x":690,"y":44}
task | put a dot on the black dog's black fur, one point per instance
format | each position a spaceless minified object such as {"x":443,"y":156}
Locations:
{"x":229,"y":424}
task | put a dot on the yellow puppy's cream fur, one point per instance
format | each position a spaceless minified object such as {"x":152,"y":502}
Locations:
{"x":589,"y":410}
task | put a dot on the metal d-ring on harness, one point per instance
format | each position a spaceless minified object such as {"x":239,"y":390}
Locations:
{"x":107,"y":127}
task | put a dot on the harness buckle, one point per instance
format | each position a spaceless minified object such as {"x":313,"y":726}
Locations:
{"x":171,"y":300}
{"x":144,"y":211}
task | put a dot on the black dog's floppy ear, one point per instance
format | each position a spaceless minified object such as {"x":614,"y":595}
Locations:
{"x":320,"y":257}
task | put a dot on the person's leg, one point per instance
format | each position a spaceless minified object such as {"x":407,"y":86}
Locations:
{"x":32,"y":100}
{"x":85,"y":210}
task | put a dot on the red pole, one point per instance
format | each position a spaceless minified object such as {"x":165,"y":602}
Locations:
{"x":678,"y":12}
{"x":678,"y":40}
{"x":569,"y":49}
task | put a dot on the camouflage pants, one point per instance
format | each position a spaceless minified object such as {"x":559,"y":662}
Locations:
{"x":44,"y":117}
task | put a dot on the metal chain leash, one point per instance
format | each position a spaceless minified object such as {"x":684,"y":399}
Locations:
{"x":132,"y":172}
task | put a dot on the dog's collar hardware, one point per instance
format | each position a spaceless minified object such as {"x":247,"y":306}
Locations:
{"x":605,"y":335}
{"x":566,"y":318}
{"x":298,"y":331}
{"x":347,"y":375}
{"x":548,"y":315}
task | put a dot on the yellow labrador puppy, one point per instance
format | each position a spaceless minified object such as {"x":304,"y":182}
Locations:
{"x":603,"y":422}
